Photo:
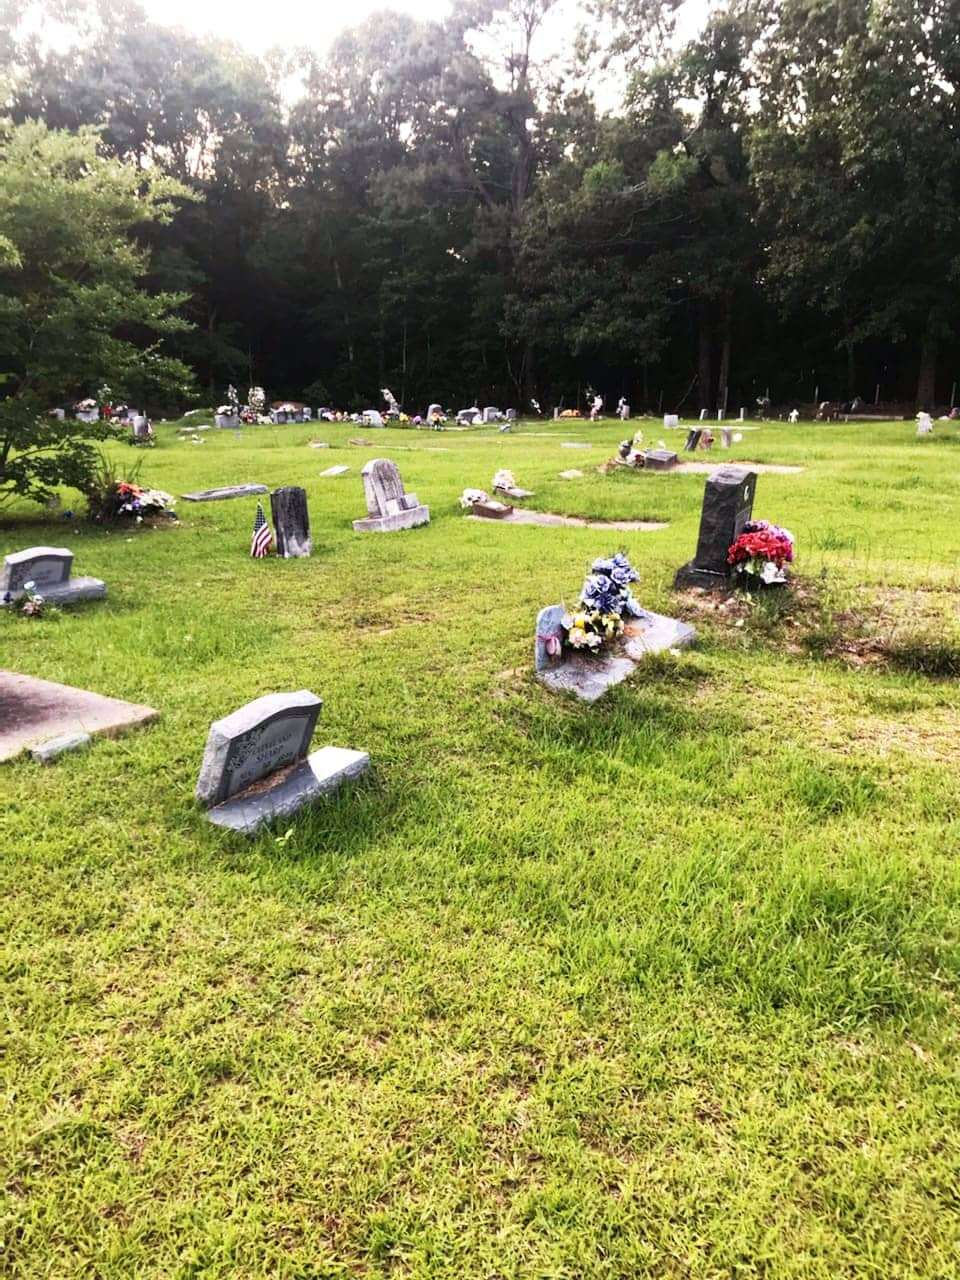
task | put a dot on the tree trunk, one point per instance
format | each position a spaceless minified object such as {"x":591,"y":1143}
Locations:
{"x":723,"y":383}
{"x":705,"y":357}
{"x":927,"y":381}
{"x":291,"y":521}
{"x":851,"y":372}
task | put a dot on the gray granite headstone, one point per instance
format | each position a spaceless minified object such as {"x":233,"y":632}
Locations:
{"x":256,"y":767}
{"x":48,"y":568}
{"x":266,"y":735}
{"x":43,"y":566}
{"x":727,"y":506}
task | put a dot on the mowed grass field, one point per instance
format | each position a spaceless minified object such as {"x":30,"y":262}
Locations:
{"x":664,"y":987}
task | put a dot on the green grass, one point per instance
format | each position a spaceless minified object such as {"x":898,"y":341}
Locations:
{"x":665,"y":987}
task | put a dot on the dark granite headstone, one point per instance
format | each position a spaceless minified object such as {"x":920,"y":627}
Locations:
{"x":693,"y":439}
{"x":727,"y":506}
{"x":660,"y":459}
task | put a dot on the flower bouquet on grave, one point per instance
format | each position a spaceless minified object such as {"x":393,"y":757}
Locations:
{"x":504,"y":480}
{"x":470,"y":497}
{"x":760,"y":554}
{"x":604,"y":600}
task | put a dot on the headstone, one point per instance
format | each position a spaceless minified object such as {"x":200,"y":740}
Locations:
{"x":703,"y":414}
{"x":389,"y":507}
{"x":671,"y":420}
{"x":513,"y":491}
{"x":256,"y":767}
{"x":491,"y":414}
{"x":33,"y":711}
{"x":726,"y":437}
{"x":87,"y":415}
{"x":572,"y":474}
{"x":340,"y":470}
{"x":291,"y":522}
{"x":228,"y":420}
{"x":727,"y":506}
{"x":48,"y":568}
{"x":693,"y":440}
{"x":511,"y":415}
{"x":228,"y":491}
{"x":660,"y":460}
{"x":372,"y":418}
{"x":575,"y":444}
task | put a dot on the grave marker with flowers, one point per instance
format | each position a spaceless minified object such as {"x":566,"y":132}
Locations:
{"x":600,"y":641}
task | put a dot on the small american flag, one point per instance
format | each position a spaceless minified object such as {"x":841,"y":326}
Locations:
{"x":262,"y":539}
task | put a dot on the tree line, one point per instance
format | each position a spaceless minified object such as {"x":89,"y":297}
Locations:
{"x":770,"y":207}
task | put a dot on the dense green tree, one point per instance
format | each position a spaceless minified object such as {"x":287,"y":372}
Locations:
{"x":73,"y":313}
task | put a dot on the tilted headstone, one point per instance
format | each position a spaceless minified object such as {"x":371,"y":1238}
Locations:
{"x":291,"y":522}
{"x":256,"y":767}
{"x":48,"y":568}
{"x":511,"y":415}
{"x":727,"y":506}
{"x":693,"y":440}
{"x":389,"y":507}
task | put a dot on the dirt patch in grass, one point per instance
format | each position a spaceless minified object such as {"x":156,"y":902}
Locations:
{"x":894,"y":628}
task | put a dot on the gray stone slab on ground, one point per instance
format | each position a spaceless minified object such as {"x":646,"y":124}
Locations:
{"x":73,"y":592}
{"x":33,"y":711}
{"x":227,"y":491}
{"x":513,"y":491}
{"x":322,"y":773}
{"x":575,"y":444}
{"x":267,"y":734}
{"x":590,"y":676}
{"x":340,"y":470}
{"x":549,"y":519}
{"x":660,"y":460}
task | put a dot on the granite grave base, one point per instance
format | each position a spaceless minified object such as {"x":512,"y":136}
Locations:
{"x":281,"y":796}
{"x":589,"y":676}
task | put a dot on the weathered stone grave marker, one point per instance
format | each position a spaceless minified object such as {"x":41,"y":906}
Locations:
{"x":660,"y":460}
{"x":39,"y":715}
{"x":256,"y":767}
{"x":48,"y":568}
{"x":291,"y":521}
{"x":727,"y":506}
{"x":389,"y":507}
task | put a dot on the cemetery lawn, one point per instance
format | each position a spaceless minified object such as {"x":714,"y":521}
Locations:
{"x":664,"y":987}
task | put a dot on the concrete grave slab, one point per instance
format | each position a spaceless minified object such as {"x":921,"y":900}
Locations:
{"x":227,"y":491}
{"x":32,"y":711}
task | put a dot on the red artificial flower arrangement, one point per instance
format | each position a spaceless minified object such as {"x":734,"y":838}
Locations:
{"x":761,"y":543}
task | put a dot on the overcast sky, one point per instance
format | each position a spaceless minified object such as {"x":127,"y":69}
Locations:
{"x":260,"y":25}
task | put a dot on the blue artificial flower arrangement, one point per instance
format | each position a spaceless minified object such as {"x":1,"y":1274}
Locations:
{"x":604,"y":600}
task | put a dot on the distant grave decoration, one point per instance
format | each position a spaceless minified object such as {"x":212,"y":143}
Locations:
{"x":503,"y":482}
{"x":479,"y":503}
{"x":597,"y":644}
{"x":113,"y":501}
{"x":631,"y":453}
{"x":760,"y":554}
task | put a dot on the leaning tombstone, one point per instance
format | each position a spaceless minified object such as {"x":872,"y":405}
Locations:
{"x":726,"y":437}
{"x":727,"y":506}
{"x":511,"y":415}
{"x":45,"y":572}
{"x":693,"y":440}
{"x":256,"y":767}
{"x":291,"y":520}
{"x":389,"y":507}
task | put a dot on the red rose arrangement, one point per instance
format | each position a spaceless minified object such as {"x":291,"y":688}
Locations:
{"x":760,"y":543}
